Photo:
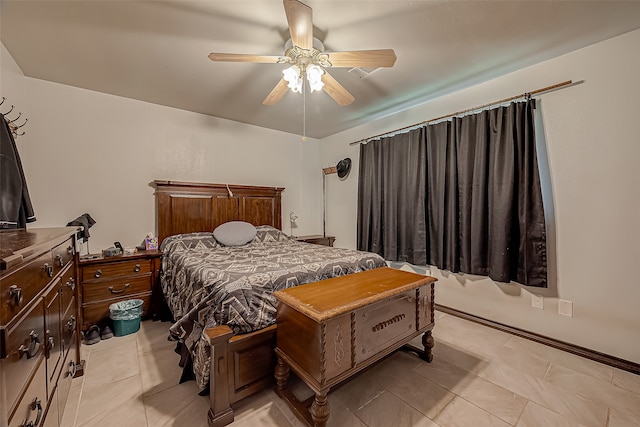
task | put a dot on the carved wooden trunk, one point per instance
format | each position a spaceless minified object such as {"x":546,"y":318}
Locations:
{"x":329,"y":330}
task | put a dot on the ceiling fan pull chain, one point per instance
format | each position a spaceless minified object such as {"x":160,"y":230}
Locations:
{"x":304,"y":111}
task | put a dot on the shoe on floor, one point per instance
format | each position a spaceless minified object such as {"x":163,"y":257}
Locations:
{"x":92,"y":335}
{"x":106,"y":333}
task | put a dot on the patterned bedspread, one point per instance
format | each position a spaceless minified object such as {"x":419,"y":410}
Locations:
{"x":207,"y":284}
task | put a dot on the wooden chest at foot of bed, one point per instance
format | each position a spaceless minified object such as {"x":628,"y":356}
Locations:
{"x":329,"y":330}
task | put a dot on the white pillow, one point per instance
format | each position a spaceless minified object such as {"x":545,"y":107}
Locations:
{"x":234,"y":233}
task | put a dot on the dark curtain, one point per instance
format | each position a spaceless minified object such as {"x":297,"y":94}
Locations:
{"x":478,"y":208}
{"x":392,"y":205}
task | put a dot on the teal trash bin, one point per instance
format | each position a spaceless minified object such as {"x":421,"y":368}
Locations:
{"x":126,"y":316}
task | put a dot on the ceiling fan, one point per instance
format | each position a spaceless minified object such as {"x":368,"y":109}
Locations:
{"x":307,"y":58}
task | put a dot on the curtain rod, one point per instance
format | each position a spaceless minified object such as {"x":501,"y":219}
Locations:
{"x":502,"y":101}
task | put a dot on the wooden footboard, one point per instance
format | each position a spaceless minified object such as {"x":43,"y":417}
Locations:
{"x":241,"y":365}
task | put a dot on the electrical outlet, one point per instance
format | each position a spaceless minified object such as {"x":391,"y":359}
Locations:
{"x":537,"y":301}
{"x":565,"y":307}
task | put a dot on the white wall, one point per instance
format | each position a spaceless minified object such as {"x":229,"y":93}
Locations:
{"x":591,"y":132}
{"x":11,"y":84}
{"x":86,"y":151}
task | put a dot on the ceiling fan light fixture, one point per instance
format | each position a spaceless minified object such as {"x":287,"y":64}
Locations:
{"x":305,"y":56}
{"x":293,"y":78}
{"x":314,"y":76}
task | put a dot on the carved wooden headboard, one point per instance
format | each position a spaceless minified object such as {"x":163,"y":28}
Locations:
{"x":188,"y":207}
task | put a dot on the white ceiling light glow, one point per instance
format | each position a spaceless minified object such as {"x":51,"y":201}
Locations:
{"x":314,"y":76}
{"x":294,"y":79}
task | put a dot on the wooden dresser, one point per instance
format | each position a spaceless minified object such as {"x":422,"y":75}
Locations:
{"x":332,"y":329}
{"x":317,"y":239}
{"x":39,"y":332}
{"x":104,"y":281}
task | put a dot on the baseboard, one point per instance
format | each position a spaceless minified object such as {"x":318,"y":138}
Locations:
{"x":551,"y":342}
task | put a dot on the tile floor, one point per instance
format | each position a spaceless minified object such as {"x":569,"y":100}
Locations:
{"x":479,"y":377}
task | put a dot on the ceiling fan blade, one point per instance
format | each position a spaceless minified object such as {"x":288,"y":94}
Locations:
{"x":363,"y":58}
{"x":299,"y":17}
{"x":241,"y":57}
{"x":336,"y":90}
{"x":277,"y":93}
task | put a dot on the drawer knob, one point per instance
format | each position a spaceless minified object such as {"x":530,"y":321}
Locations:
{"x":71,"y":283}
{"x":137,"y":268}
{"x":97,"y":274}
{"x":60,"y":260}
{"x":73,"y":368}
{"x":15,"y":295}
{"x":126,"y":286}
{"x":35,"y":405}
{"x":70,"y":250}
{"x":48,"y":268}
{"x":71,"y":323}
{"x":51,"y":342}
{"x":34,"y":346}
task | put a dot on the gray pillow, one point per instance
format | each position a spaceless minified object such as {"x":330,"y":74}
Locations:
{"x":234,"y":233}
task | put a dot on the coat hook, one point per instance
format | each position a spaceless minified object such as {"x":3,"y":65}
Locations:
{"x":8,"y":111}
{"x":2,"y":102}
{"x":25,"y":122}
{"x":19,"y":115}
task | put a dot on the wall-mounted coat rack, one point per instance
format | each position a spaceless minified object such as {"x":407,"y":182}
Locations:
{"x":13,"y":123}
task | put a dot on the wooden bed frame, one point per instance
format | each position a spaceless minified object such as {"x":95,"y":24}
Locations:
{"x":241,"y":365}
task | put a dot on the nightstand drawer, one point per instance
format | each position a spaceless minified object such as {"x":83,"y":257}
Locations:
{"x":116,"y":269}
{"x":109,"y":289}
{"x":97,"y":312}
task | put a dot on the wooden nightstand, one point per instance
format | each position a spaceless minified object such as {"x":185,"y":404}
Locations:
{"x":106,"y":280}
{"x":317,"y":239}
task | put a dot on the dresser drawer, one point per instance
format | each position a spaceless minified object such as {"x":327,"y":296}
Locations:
{"x":20,"y":287}
{"x":116,"y":269}
{"x":25,"y":347}
{"x":53,"y":412}
{"x":69,"y":323}
{"x":121,"y":288}
{"x":62,"y":256}
{"x":380,"y":325}
{"x":67,"y":374}
{"x":33,"y":404}
{"x":68,"y":288}
{"x":53,"y":339}
{"x":97,"y":312}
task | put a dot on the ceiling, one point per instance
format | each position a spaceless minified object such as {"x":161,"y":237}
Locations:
{"x":156,"y":51}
